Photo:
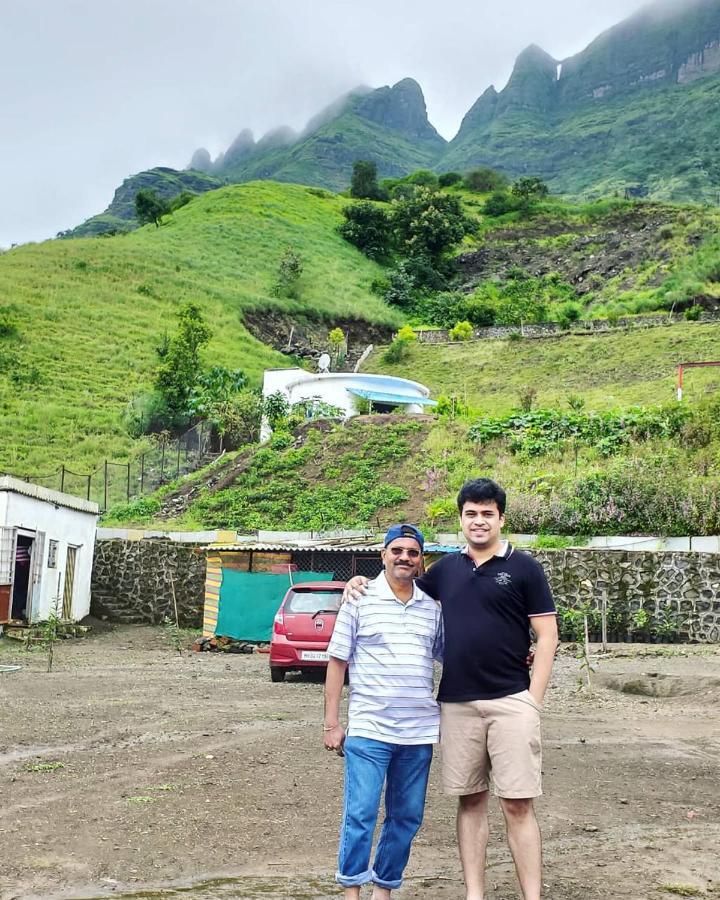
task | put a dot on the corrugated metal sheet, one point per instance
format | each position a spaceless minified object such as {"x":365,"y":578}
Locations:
{"x":334,"y":547}
{"x":18,"y":486}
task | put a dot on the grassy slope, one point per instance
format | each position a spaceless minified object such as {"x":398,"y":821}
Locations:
{"x":607,"y":370}
{"x":90,"y":311}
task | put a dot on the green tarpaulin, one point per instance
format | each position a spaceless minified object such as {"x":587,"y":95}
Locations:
{"x":249,"y":601}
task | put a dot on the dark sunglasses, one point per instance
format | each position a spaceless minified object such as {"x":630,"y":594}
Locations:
{"x":398,"y":551}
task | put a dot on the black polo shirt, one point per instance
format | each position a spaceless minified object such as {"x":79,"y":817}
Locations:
{"x":485,"y":614}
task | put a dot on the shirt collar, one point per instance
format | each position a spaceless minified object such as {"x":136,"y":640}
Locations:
{"x":383,"y":590}
{"x":505,"y":552}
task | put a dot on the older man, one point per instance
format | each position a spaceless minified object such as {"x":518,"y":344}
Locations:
{"x":491,"y":595}
{"x":388,"y":640}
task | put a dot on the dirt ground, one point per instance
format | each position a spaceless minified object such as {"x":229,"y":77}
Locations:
{"x":132,"y":771}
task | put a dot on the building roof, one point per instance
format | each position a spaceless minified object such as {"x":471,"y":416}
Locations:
{"x":383,"y":397}
{"x":327,"y":546}
{"x":17,"y":486}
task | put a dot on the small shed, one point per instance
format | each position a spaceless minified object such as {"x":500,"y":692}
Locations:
{"x":246,"y":581}
{"x":47,"y":541}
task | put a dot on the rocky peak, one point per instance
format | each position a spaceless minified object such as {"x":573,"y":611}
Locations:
{"x":401,"y":108}
{"x":533,"y":81}
{"x":241,"y":147}
{"x":481,"y":113}
{"x":201,"y":160}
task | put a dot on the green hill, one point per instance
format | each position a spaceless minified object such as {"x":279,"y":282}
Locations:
{"x":86,"y":314}
{"x":120,"y":214}
{"x":638,"y":108}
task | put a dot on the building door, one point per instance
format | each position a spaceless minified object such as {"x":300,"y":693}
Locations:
{"x":22,"y":577}
{"x":69,"y":589}
{"x":7,"y":571}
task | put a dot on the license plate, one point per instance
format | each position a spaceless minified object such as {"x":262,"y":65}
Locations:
{"x":314,"y":655}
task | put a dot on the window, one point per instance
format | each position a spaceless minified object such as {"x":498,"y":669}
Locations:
{"x":52,"y":554}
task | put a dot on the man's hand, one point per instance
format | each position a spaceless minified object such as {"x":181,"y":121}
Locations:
{"x":355,"y":588}
{"x":334,"y":738}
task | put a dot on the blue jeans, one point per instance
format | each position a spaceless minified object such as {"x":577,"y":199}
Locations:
{"x":404,"y":770}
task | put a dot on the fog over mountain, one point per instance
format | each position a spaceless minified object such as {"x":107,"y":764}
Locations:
{"x":95,"y":91}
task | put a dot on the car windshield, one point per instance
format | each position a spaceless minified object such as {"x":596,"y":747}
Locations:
{"x":313,"y":601}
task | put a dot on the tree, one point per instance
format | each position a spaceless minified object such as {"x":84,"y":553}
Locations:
{"x":485,"y":179}
{"x":428,"y":224}
{"x":367,"y":227}
{"x":177,"y":374}
{"x":447,"y":179}
{"x":364,"y":184}
{"x":290,"y":269}
{"x":529,"y":189}
{"x":149,"y":207}
{"x":400,"y":347}
{"x":336,"y":339}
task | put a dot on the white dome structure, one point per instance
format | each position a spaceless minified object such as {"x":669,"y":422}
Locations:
{"x":344,"y":390}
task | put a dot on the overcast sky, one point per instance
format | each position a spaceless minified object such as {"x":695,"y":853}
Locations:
{"x":94,"y":90}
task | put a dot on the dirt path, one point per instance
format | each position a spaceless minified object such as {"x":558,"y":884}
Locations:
{"x":130,"y":771}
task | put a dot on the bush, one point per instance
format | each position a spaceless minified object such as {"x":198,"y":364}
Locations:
{"x":400,"y":347}
{"x":290,"y":269}
{"x":499,"y":203}
{"x":400,"y":289}
{"x":483,"y":180}
{"x":423,"y":178}
{"x":462,"y":331}
{"x":428,"y":224}
{"x":368,"y":228}
{"x":447,"y":179}
{"x":693,"y":313}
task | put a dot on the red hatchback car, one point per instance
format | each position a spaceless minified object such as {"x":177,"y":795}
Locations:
{"x":303,"y":627}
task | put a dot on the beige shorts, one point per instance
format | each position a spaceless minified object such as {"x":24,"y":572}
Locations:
{"x":501,"y":737}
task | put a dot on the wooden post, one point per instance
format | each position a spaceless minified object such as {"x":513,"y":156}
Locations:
{"x":106,"y":486}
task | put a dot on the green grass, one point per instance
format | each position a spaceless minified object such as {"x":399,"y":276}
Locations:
{"x":90,"y":312}
{"x":617,"y":369}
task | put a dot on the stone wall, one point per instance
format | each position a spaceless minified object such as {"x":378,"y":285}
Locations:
{"x":669,"y":586}
{"x":133,"y":581}
{"x":550,"y":329}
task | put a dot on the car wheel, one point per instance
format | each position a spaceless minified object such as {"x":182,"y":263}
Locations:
{"x":277,"y":674}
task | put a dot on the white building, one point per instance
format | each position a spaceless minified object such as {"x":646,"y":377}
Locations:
{"x":345,"y":390}
{"x":47,"y":540}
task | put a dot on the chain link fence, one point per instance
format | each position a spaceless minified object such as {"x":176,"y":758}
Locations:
{"x":114,"y":482}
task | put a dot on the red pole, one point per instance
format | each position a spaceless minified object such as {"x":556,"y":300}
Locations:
{"x":680,"y":382}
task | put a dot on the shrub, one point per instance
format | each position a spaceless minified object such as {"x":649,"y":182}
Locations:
{"x":290,"y":269}
{"x":693,"y":313}
{"x":400,"y":289}
{"x":400,"y":347}
{"x":367,"y":227}
{"x":428,"y":224}
{"x":483,"y":180}
{"x":447,"y":179}
{"x":423,"y":178}
{"x":462,"y":331}
{"x":499,"y":203}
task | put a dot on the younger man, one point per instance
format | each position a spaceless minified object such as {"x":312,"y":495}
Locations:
{"x":388,"y":641}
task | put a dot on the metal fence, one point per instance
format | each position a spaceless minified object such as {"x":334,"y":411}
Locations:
{"x":114,"y":482}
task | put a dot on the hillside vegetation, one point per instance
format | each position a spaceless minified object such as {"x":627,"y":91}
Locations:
{"x":85,"y":315}
{"x":612,"y":370}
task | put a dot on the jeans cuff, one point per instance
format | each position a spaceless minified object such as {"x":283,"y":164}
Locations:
{"x":355,"y":880}
{"x":388,"y":885}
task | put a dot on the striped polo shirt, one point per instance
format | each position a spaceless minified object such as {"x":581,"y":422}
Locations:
{"x":389,"y":647}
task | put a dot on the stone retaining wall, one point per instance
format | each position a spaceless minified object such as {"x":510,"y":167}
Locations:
{"x":133,"y":580}
{"x":550,"y":329}
{"x":680,"y":586}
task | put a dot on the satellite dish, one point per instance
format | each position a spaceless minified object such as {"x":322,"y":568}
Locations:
{"x":324,"y":362}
